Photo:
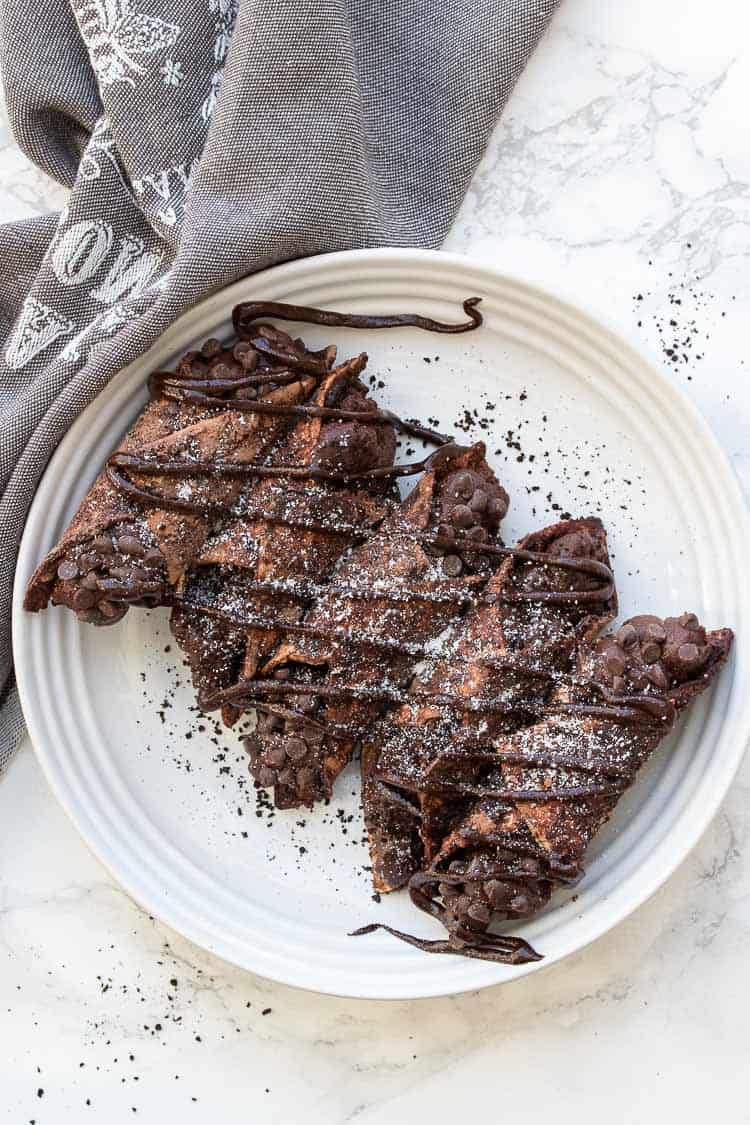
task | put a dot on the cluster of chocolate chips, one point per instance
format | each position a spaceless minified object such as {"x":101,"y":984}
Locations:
{"x":472,"y":898}
{"x":354,"y":446}
{"x":221,"y":364}
{"x":285,"y":754}
{"x":471,"y":509}
{"x":110,"y":572}
{"x":275,"y":349}
{"x":649,"y":653}
{"x":578,"y":544}
{"x":277,"y":345}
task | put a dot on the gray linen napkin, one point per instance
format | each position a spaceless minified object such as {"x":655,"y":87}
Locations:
{"x":204,"y":140}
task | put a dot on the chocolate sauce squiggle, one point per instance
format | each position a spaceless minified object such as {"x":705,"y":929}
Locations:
{"x":247,"y":312}
{"x":502,"y":949}
{"x":261,"y":689}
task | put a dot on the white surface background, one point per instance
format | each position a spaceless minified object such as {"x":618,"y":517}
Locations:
{"x":621,"y":168}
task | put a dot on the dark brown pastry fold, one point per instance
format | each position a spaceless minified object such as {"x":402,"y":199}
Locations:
{"x":554,"y":591}
{"x":538,"y":796}
{"x":357,"y":644}
{"x":287,"y":534}
{"x":136,"y":532}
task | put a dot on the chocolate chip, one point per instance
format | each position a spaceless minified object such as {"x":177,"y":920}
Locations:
{"x":288,"y":778}
{"x":89,"y":560}
{"x":614,"y":664}
{"x":445,"y":531}
{"x":296,"y":748}
{"x":211,"y":347}
{"x":462,"y":516}
{"x":102,"y":544}
{"x":478,"y":534}
{"x":281,"y":674}
{"x":651,"y":652}
{"x":220,"y":371}
{"x":657,"y":676}
{"x":464,"y":485}
{"x":687,"y":620}
{"x":252,"y":745}
{"x":153,"y":557}
{"x":452,"y":566}
{"x":618,"y":685}
{"x":627,"y":636}
{"x":656,"y":632}
{"x":497,"y":508}
{"x":90,"y":581}
{"x":688,"y":653}
{"x":130,"y":545}
{"x":270,"y":722}
{"x":307,"y":702}
{"x":83,"y":599}
{"x":266,"y":777}
{"x":276,"y":754}
{"x":313,"y":736}
{"x":479,"y":501}
{"x":520,"y":904}
{"x":245,"y":354}
{"x":67,"y":569}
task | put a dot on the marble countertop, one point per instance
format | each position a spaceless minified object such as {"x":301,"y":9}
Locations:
{"x":620,"y":174}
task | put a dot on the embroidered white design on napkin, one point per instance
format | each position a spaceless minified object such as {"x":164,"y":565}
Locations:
{"x":116,"y":35}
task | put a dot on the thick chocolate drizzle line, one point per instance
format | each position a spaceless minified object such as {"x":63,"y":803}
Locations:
{"x":503,"y":949}
{"x":245,"y":314}
{"x":170,"y":385}
{"x":639,"y":710}
{"x":646,"y":709}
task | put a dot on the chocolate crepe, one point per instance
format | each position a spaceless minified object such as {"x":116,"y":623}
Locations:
{"x":288,"y":530}
{"x":137,"y":532}
{"x":539,"y":795}
{"x":360,"y":640}
{"x":553,"y":592}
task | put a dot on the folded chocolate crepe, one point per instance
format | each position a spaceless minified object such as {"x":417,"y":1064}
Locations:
{"x":356,"y":646}
{"x":147,"y":516}
{"x":553,"y":592}
{"x":288,"y":529}
{"x":538,"y":796}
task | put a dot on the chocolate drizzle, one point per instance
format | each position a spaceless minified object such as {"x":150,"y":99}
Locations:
{"x":246,"y":314}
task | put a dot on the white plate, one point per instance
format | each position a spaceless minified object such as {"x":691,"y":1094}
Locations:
{"x":594,"y":414}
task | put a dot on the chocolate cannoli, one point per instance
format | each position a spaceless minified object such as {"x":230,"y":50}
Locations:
{"x":540,"y":795}
{"x":359,"y":642}
{"x":137,"y":532}
{"x":289,"y":529}
{"x":554,"y":591}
